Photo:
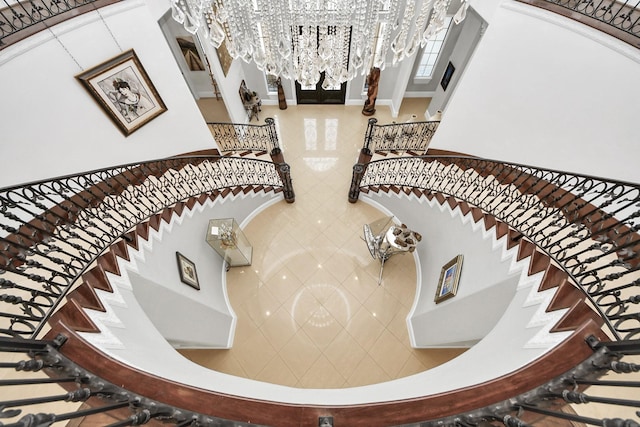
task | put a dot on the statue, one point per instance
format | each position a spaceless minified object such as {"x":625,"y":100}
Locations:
{"x":372,"y":92}
{"x":385,"y":238}
{"x":282,"y":100}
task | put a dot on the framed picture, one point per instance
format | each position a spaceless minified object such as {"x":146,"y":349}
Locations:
{"x":123,"y":89}
{"x":187,"y":271}
{"x":446,"y":78}
{"x":449,"y":278}
{"x":224,"y":57}
{"x":190,"y":53}
{"x":325,"y":422}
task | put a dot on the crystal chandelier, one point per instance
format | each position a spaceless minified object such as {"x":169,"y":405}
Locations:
{"x":300,"y":39}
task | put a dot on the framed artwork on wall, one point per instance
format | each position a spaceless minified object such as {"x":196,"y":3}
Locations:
{"x":187,"y":269}
{"x":190,"y":52}
{"x":123,"y":89}
{"x":446,"y":77}
{"x":224,"y":57}
{"x":449,"y":278}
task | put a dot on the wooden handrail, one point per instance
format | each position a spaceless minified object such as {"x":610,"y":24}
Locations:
{"x":32,"y":22}
{"x":633,"y":40}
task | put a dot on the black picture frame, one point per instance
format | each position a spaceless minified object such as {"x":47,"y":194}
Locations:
{"x":123,"y":89}
{"x":187,"y":269}
{"x":446,"y":77}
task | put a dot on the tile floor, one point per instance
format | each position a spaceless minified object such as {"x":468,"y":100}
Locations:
{"x":310,"y":311}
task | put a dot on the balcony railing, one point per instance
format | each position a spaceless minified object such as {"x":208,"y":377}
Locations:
{"x":399,"y":137}
{"x":53,"y":230}
{"x":620,"y":19}
{"x":108,"y":404}
{"x":587,"y":225}
{"x":20,"y":19}
{"x":235,"y":137}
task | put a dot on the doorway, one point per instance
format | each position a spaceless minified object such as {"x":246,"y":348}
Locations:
{"x":189,"y":54}
{"x":317,"y":95}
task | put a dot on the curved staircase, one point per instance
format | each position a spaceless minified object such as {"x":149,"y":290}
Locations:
{"x":558,"y":302}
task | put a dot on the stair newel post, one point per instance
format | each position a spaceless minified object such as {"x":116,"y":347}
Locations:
{"x":284,"y":170}
{"x":363,"y":160}
{"x":276,"y":153}
{"x":368,"y":136}
{"x":358,"y":172}
{"x":354,"y":189}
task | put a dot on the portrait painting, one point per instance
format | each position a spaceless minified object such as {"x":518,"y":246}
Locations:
{"x":187,"y":269}
{"x":123,"y":89}
{"x":449,"y":278}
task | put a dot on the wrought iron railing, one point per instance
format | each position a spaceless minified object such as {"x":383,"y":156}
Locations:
{"x":399,"y":137}
{"x":546,"y":405}
{"x":113,"y":405}
{"x":620,"y":19}
{"x":588,"y":226}
{"x":51,"y":231}
{"x":246,"y":137}
{"x":20,"y":19}
{"x":101,"y":398}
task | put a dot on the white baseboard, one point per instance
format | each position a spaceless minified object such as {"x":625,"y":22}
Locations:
{"x":421,"y":94}
{"x":206,"y":94}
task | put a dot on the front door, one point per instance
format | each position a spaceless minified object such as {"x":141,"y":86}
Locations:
{"x":317,"y":95}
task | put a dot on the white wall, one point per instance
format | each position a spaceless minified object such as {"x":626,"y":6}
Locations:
{"x":52,"y":126}
{"x":168,"y":309}
{"x":466,"y":42}
{"x":546,"y":91}
{"x":173,"y":306}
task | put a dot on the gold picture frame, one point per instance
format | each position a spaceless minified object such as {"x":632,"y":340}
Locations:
{"x":449,"y":279}
{"x":224,"y":57}
{"x":123,"y":89}
{"x":187,"y":269}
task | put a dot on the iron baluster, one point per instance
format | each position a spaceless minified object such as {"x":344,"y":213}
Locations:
{"x":587,"y":225}
{"x":56,"y":228}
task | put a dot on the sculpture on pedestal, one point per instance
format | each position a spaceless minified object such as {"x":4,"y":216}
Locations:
{"x":385,"y":238}
{"x":372,"y":92}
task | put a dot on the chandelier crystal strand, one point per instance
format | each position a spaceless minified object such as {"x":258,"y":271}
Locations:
{"x":300,"y":39}
{"x":214,"y":31}
{"x":421,"y":22}
{"x":461,"y":13}
{"x":400,"y":41}
{"x":370,"y":19}
{"x":388,"y":18}
{"x":261,"y":43}
{"x":436,"y":23}
{"x":343,"y":41}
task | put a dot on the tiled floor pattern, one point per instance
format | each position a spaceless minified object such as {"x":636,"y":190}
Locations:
{"x":310,"y":311}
